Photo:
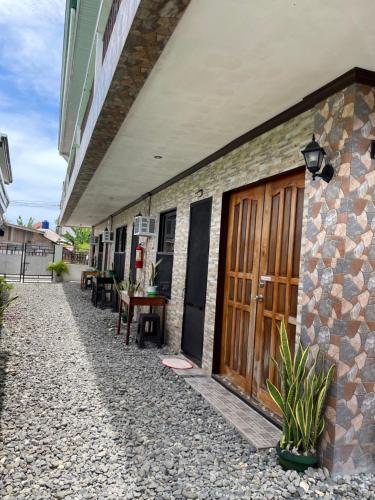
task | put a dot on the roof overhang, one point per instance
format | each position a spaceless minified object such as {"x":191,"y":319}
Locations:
{"x":225,"y":70}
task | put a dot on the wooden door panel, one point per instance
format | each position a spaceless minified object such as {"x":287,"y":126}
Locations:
{"x":242,"y":266}
{"x":263,"y":256}
{"x":279,"y":273}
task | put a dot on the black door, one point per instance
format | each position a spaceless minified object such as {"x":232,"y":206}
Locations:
{"x":100,"y":253}
{"x":196,"y":279}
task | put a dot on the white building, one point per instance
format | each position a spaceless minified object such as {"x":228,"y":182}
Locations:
{"x":5,"y":174}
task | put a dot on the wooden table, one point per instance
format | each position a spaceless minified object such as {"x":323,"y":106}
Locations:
{"x":85,"y":274}
{"x":139,"y":300}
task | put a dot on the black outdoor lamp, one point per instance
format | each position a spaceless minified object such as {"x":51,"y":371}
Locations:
{"x":313,"y":155}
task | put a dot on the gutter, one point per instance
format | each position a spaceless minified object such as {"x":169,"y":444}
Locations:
{"x":67,"y":71}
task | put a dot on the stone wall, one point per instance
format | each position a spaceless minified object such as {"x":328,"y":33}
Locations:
{"x":338,"y":312}
{"x":273,"y":152}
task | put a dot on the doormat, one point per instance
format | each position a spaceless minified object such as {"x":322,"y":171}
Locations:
{"x":180,"y":364}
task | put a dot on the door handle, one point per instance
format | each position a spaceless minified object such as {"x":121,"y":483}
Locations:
{"x":259,"y":298}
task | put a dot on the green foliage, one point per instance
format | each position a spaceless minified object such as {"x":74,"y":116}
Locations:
{"x":154,"y":272}
{"x":4,"y":306}
{"x":4,"y":285}
{"x":21,"y":223}
{"x":79,"y":238}
{"x":301,"y":400}
{"x":59,"y":267}
{"x":127,"y":285}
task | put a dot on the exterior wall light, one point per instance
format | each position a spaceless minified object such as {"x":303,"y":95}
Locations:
{"x":372,"y":152}
{"x":313,"y":155}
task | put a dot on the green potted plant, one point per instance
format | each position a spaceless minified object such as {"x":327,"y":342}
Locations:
{"x":152,"y":288}
{"x":5,"y":289}
{"x":301,"y":402}
{"x":59,"y":268}
{"x":131,"y":288}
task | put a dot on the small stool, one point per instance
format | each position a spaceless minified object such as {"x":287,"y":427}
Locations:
{"x":106,"y":297}
{"x":88,"y":282}
{"x":154,"y":332}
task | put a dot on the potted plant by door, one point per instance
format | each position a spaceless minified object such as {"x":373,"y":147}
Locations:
{"x":151,"y":290}
{"x":59,"y":268}
{"x":304,"y":386}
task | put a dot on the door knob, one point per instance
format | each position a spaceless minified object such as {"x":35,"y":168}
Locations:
{"x":259,"y":298}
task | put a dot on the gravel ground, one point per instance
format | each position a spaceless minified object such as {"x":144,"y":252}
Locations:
{"x":85,"y":417}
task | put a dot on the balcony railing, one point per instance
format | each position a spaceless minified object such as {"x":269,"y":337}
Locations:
{"x":110,"y":24}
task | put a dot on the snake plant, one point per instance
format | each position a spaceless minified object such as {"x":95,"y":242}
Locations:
{"x":302,"y":396}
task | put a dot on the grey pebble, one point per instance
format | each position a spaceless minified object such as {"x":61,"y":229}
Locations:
{"x":86,"y":417}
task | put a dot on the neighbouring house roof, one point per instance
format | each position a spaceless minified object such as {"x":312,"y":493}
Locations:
{"x":23,"y":228}
{"x":49,"y":234}
{"x":54,"y":237}
{"x":5,"y":165}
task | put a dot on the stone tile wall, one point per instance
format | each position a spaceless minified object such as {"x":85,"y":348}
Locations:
{"x":338,"y":301}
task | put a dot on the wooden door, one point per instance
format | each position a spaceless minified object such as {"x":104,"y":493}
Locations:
{"x":241,"y":283}
{"x":279,"y":276}
{"x":261,"y":282}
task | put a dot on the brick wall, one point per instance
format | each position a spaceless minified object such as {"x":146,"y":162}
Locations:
{"x":274,"y":152}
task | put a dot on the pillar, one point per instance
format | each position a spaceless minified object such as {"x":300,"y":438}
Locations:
{"x":338,"y":303}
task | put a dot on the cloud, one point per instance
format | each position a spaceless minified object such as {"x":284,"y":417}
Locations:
{"x":38,"y":170}
{"x":31,"y":33}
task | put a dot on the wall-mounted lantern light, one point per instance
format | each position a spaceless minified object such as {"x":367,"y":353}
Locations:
{"x":372,"y":152}
{"x":313,"y":155}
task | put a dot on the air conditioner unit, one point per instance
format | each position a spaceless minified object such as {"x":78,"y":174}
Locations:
{"x":144,"y":226}
{"x":107,"y":236}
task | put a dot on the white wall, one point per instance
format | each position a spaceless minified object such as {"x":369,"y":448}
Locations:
{"x":75,"y":272}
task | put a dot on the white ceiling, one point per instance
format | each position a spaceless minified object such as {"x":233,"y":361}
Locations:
{"x":229,"y":66}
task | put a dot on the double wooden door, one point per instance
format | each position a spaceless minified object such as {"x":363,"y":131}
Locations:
{"x":261,"y":280}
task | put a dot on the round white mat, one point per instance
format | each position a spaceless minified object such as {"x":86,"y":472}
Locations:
{"x":180,"y":364}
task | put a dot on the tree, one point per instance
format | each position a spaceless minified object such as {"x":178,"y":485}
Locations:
{"x":79,"y":238}
{"x":21,"y":223}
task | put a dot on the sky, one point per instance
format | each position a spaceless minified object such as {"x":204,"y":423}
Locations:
{"x":31,"y":37}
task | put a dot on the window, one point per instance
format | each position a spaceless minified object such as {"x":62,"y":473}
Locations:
{"x":119,"y":255}
{"x":120,"y":242}
{"x":167,"y":230}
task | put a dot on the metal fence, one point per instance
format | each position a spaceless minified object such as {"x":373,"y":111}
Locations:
{"x":26,"y":262}
{"x":75,"y":257}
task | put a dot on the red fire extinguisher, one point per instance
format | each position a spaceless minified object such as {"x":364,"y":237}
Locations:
{"x":139,"y":251}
